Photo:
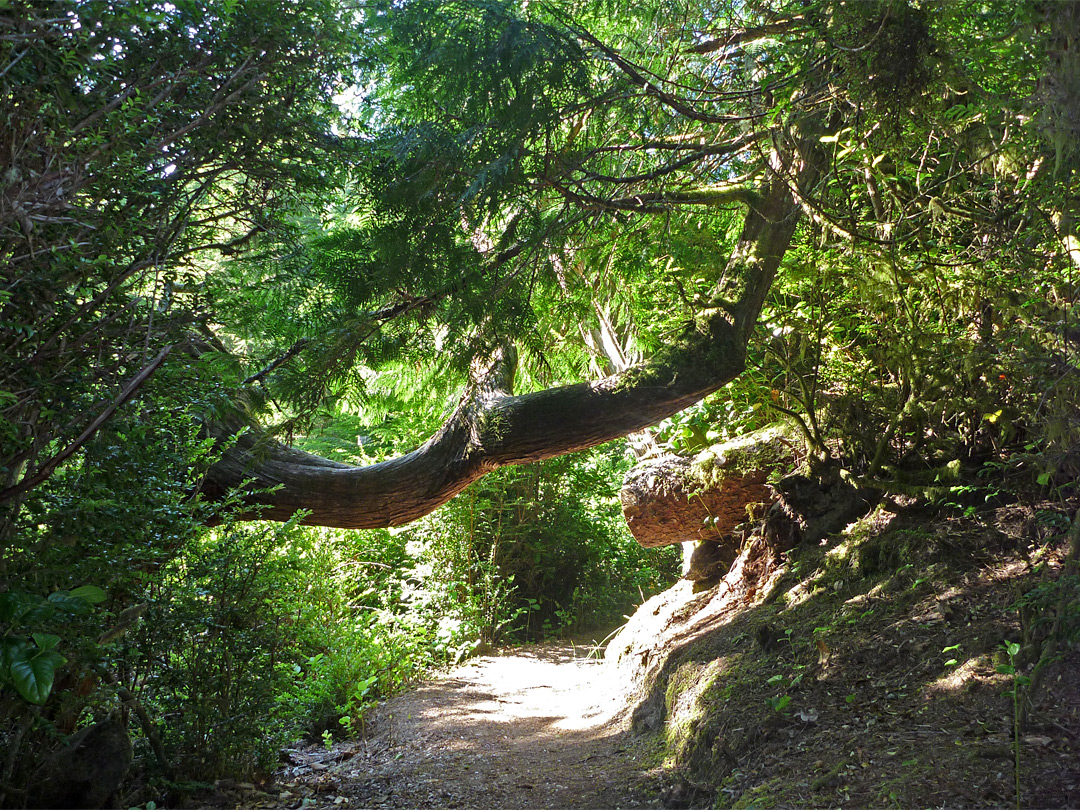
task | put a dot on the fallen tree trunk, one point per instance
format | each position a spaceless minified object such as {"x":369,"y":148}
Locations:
{"x":491,"y":427}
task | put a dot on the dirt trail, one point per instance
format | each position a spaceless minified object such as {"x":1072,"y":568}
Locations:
{"x":539,"y":728}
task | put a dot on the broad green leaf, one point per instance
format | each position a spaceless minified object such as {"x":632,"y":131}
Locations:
{"x":69,"y":604}
{"x":36,"y":609}
{"x":18,"y":605}
{"x":33,"y":675}
{"x":10,"y":650}
{"x":45,"y":641}
{"x":90,"y":593}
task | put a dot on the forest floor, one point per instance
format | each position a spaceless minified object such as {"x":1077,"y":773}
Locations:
{"x":870,"y":670}
{"x":874,"y":679}
{"x":535,"y":727}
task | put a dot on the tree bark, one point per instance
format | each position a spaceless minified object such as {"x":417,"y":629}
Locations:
{"x":491,"y":427}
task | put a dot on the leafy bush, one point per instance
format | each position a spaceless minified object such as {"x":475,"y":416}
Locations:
{"x":98,"y":532}
{"x":217,"y":647}
{"x":259,"y":633}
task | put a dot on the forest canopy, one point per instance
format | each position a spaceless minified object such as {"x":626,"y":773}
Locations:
{"x":361,"y":211}
{"x":329,"y":262}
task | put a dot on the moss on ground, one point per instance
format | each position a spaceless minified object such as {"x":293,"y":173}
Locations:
{"x":760,"y":797}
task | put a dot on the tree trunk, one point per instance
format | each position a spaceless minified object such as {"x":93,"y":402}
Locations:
{"x":491,"y":427}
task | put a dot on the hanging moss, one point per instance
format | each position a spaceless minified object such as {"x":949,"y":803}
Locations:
{"x":884,"y":49}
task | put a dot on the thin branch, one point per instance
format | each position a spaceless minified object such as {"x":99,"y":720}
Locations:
{"x":294,"y":350}
{"x":663,"y":201}
{"x":744,"y":36}
{"x":47,"y":469}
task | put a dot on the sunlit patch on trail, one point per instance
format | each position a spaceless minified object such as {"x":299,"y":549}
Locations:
{"x":572,"y":694}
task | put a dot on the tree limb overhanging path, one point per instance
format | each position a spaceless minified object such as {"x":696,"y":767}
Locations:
{"x":491,"y":427}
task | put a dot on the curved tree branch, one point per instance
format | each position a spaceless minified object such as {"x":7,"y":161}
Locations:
{"x":491,"y":427}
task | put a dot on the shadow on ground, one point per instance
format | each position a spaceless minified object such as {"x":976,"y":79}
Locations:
{"x":537,"y":727}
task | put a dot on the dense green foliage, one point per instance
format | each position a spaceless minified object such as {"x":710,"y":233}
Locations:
{"x":532,"y":552}
{"x":320,"y":212}
{"x":585,"y":184}
{"x":136,"y":139}
{"x":930,"y":316}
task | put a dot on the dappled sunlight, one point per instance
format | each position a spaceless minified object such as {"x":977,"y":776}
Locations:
{"x":962,"y":676}
{"x":557,"y":691}
{"x":864,"y":671}
{"x":344,"y":340}
{"x":539,"y":726}
{"x":838,"y":552}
